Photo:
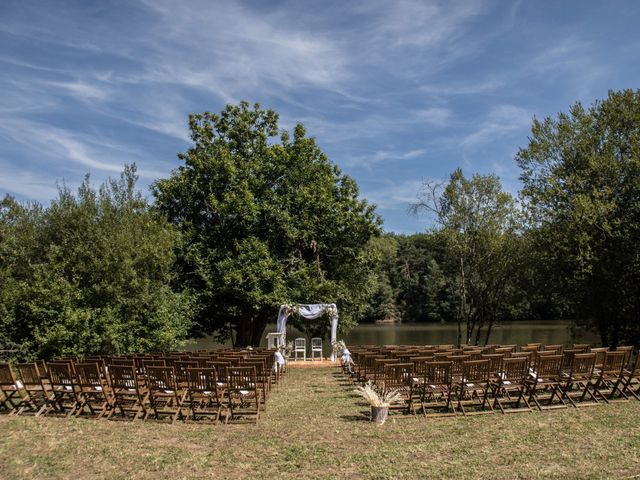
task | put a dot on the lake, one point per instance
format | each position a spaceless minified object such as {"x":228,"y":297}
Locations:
{"x":547,"y":332}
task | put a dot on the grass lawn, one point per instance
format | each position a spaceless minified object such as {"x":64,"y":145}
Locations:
{"x":314,"y":427}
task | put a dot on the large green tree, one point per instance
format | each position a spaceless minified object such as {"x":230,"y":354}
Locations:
{"x":581,"y":175}
{"x":479,"y":225}
{"x":265,"y":222}
{"x":89,"y":274}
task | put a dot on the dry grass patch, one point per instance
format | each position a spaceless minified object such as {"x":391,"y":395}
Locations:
{"x":315,"y":427}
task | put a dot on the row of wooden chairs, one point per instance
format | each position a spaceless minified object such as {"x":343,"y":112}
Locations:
{"x":232,"y":386}
{"x":437,"y":381}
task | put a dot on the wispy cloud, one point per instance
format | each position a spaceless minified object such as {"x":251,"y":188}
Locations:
{"x":383,"y":156}
{"x":499,"y":122}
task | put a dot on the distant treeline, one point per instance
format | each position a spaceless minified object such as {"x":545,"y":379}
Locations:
{"x":418,"y":281}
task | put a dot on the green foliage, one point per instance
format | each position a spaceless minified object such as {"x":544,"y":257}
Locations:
{"x":89,"y":274}
{"x":264,"y":223}
{"x":479,"y":226}
{"x":581,"y":175}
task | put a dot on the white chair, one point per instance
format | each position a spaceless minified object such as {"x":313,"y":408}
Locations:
{"x":300,"y":346}
{"x":316,"y":347}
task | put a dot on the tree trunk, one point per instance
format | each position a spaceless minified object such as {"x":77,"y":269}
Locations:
{"x":489,"y":327}
{"x":463,"y":301}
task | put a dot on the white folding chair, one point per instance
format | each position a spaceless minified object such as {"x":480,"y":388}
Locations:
{"x":316,"y":347}
{"x":300,"y":346}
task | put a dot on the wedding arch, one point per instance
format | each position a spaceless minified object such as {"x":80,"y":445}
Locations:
{"x":310,"y":312}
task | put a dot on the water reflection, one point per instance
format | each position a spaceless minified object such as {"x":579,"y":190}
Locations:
{"x":547,"y":332}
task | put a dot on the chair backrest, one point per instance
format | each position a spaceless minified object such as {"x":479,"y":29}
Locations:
{"x":583,"y":347}
{"x":162,"y":378}
{"x":203,"y":379}
{"x":300,"y":342}
{"x":398,"y":375}
{"x":583,"y":365}
{"x":242,"y":378}
{"x":614,"y":363}
{"x":88,"y":375}
{"x":476,"y":371}
{"x":629,"y":351}
{"x":7,"y":378}
{"x":515,"y":370}
{"x":549,"y":365}
{"x":437,"y":373}
{"x":316,"y":342}
{"x":123,"y":377}
{"x":29,"y":374}
{"x":60,"y":374}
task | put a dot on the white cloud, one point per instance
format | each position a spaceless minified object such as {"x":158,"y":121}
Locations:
{"x":499,"y":122}
{"x":383,"y":156}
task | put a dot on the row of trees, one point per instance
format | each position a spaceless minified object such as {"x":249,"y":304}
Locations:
{"x":569,"y":248}
{"x":250,"y":221}
{"x":256,"y":217}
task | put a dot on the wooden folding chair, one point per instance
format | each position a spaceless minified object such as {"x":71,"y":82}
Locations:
{"x":610,"y":377}
{"x":242,"y":394}
{"x":64,"y":391}
{"x":472,"y":390}
{"x":38,"y":391}
{"x":12,"y":395}
{"x":631,"y":378}
{"x":95,"y":393}
{"x":399,"y":377}
{"x":435,"y":389}
{"x":544,"y":383}
{"x":262,"y":378}
{"x":510,"y":384}
{"x":128,"y":396}
{"x":577,"y":384}
{"x":166,"y":397}
{"x":206,"y":396}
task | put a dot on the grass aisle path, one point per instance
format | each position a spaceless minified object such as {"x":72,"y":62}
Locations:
{"x":314,"y":427}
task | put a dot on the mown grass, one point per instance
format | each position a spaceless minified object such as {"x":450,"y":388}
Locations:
{"x":315,"y":427}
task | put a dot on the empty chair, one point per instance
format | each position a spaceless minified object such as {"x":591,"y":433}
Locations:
{"x":128,"y":396}
{"x":242,"y":394}
{"x":473,"y":388}
{"x":94,"y":391}
{"x":37,"y":390}
{"x":546,"y":380}
{"x":205,"y":394}
{"x":510,"y":385}
{"x":300,"y":346}
{"x":65,"y":394}
{"x":610,"y":377}
{"x":316,"y":348}
{"x":12,"y":397}
{"x":165,"y":395}
{"x":435,"y":390}
{"x":576,"y":385}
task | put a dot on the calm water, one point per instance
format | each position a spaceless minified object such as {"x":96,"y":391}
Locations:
{"x":547,"y":332}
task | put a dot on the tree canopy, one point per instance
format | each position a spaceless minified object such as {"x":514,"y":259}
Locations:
{"x":265,"y":222}
{"x":581,"y":176}
{"x":479,"y":225}
{"x":89,"y":274}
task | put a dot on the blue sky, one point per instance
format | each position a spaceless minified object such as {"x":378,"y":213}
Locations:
{"x":394,"y":92}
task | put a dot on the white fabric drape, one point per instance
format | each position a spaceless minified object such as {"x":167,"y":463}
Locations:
{"x":311,"y":312}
